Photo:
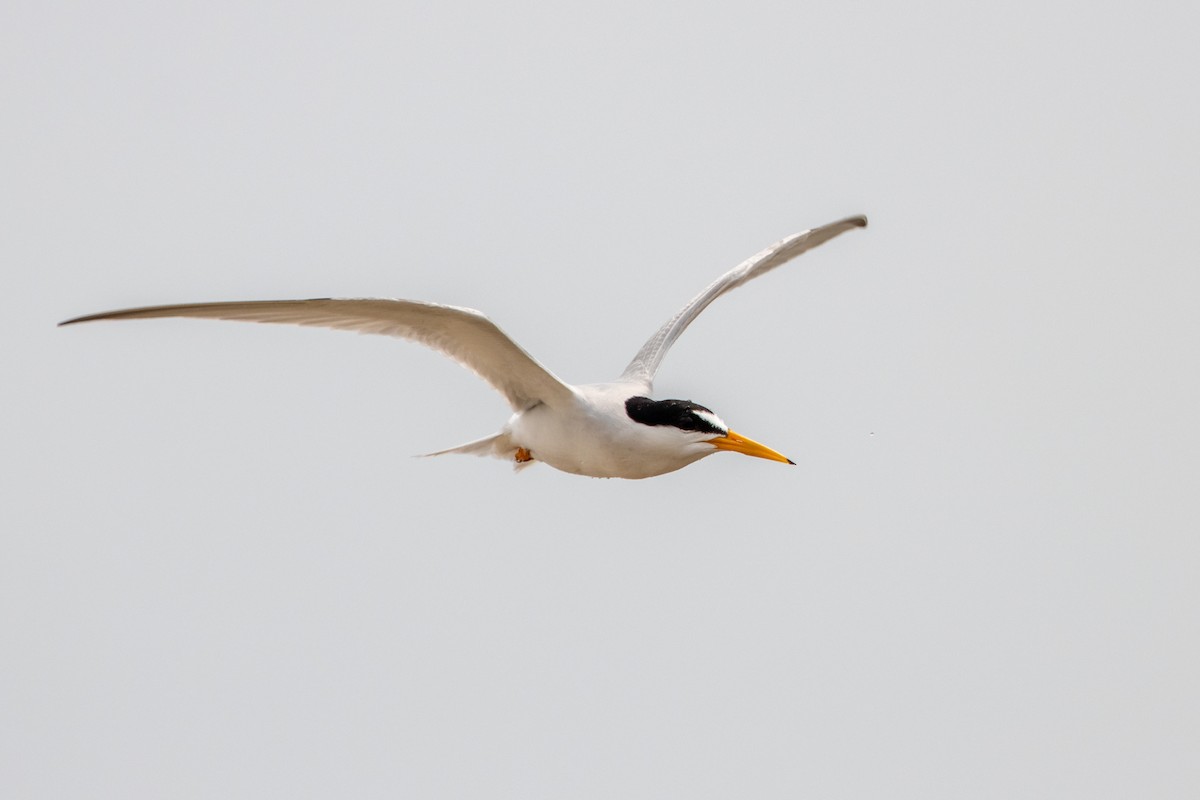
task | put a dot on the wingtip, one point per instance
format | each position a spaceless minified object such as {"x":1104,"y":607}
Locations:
{"x":88,"y":318}
{"x":859,"y":221}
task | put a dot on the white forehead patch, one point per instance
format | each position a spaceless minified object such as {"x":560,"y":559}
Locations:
{"x":712,"y":419}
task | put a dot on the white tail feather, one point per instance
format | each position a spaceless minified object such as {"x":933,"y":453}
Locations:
{"x":498,"y":445}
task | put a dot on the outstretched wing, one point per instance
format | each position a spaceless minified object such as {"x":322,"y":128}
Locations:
{"x":463,"y":334}
{"x":645,"y":364}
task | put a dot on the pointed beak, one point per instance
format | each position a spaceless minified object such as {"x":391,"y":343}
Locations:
{"x":740,"y":444}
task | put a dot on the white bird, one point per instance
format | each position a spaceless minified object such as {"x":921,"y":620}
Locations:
{"x":604,"y":430}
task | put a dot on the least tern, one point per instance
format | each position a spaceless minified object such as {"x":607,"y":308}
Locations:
{"x":603,"y":430}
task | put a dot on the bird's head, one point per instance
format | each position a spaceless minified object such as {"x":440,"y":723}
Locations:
{"x":698,"y":426}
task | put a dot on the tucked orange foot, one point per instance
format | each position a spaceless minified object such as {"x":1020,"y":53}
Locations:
{"x":523,"y":455}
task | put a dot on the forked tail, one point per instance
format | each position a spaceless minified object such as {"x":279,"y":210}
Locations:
{"x":498,"y":445}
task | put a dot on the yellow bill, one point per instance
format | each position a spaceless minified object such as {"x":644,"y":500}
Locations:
{"x":737,"y":443}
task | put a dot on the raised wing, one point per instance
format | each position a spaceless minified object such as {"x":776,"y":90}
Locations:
{"x":463,"y":334}
{"x":645,"y":364}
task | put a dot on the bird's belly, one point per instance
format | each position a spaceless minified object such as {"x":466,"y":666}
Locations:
{"x":590,"y":444}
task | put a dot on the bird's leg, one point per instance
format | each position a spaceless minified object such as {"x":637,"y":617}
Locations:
{"x":523,"y":456}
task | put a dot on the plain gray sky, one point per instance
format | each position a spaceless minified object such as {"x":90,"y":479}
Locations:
{"x":223,"y":575}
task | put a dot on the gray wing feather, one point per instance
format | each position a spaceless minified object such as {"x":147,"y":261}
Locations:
{"x":463,"y":334}
{"x":645,"y":364}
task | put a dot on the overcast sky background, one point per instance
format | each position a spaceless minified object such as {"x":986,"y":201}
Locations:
{"x":224,"y":576}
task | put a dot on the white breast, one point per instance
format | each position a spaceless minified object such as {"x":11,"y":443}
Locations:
{"x":596,"y":437}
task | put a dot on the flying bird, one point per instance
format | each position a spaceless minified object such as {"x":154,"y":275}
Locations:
{"x":603,"y":430}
